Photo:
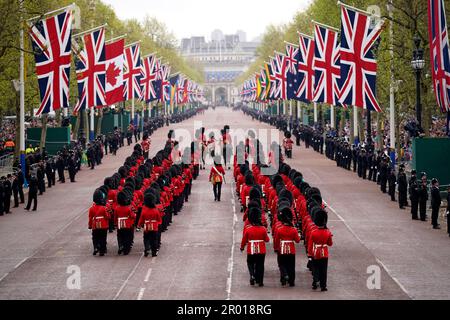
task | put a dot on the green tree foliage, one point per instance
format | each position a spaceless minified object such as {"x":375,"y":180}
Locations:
{"x":152,"y":33}
{"x":409,"y":18}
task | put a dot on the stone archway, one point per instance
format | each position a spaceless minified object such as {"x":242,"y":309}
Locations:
{"x":221,"y":96}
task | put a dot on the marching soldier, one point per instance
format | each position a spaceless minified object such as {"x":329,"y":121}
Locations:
{"x":402,"y":187}
{"x":32,"y":193}
{"x":146,"y":145}
{"x":320,"y":240}
{"x":287,"y":144}
{"x":150,"y":221}
{"x":284,"y":242}
{"x":255,"y":238}
{"x":99,"y":223}
{"x":435,"y":203}
{"x":7,"y":193}
{"x":124,"y":220}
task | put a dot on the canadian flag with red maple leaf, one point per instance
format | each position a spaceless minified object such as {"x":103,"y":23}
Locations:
{"x":114,"y":71}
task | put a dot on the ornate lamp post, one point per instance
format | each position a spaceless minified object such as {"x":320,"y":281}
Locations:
{"x":418,"y":63}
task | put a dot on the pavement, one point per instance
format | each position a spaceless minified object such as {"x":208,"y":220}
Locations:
{"x":41,"y":253}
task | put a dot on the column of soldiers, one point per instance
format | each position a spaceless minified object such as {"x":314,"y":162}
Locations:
{"x":284,"y":205}
{"x":374,"y":165}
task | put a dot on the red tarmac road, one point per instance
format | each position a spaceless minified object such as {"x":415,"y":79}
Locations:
{"x":200,"y":257}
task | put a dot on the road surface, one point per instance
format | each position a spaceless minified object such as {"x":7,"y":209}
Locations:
{"x":200,"y":256}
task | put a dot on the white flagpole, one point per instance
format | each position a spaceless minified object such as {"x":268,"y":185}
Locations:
{"x":392,"y":89}
{"x":132,"y":108}
{"x":355,"y":121}
{"x":332,"y":124}
{"x":315,"y":112}
{"x":22,"y":95}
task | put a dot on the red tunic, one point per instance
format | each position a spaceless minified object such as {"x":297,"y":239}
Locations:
{"x":255,"y":238}
{"x":218,"y":173}
{"x":124,"y":217}
{"x":150,"y":219}
{"x":285,"y":238}
{"x":320,"y":240}
{"x":98,"y":217}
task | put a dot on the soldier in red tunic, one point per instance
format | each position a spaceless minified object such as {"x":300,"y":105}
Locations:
{"x":320,"y":240}
{"x":146,"y":142}
{"x":150,"y":220}
{"x":284,"y":243}
{"x":255,"y":238}
{"x":124,"y":220}
{"x":217,"y":177}
{"x":287,"y":145}
{"x":99,"y":222}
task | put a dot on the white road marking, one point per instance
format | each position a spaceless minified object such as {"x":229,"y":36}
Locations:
{"x":141,"y":294}
{"x":19,"y":264}
{"x":362,"y":243}
{"x":128,"y":278}
{"x":147,"y":276}
{"x":4,"y":276}
{"x":231,"y":259}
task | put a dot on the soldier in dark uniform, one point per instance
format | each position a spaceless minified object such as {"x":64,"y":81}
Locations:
{"x":32,"y":193}
{"x":392,"y":182}
{"x":60,"y":166}
{"x":90,"y":156}
{"x":414,"y":195}
{"x":49,"y":173}
{"x":364,"y":164}
{"x":40,"y":175}
{"x":7,"y":193}
{"x":423,"y":197}
{"x":15,"y":190}
{"x":435,"y":203}
{"x":2,"y":197}
{"x":72,"y":167}
{"x":402,"y":187}
{"x":383,"y":174}
{"x":355,"y":157}
{"x":370,"y":164}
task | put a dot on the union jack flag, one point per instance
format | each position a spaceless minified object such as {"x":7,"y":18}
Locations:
{"x":358,"y":63}
{"x":280,"y":73}
{"x":132,"y":72}
{"x":263,"y":83}
{"x":306,"y":71}
{"x":51,"y":42}
{"x":440,"y":53}
{"x":326,"y":66}
{"x":148,"y":79}
{"x":91,"y":70}
{"x":292,"y":76}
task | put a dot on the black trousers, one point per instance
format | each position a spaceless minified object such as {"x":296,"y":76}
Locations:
{"x":320,"y":267}
{"x":7,"y":202}
{"x":16,"y":198}
{"x":287,"y":267}
{"x":151,"y":241}
{"x":415,"y":208}
{"x":392,"y":192}
{"x":383,"y":182}
{"x":423,"y":209}
{"x":21,"y":195}
{"x":99,"y":240}
{"x":255,"y":264}
{"x":125,"y":240}
{"x":41,"y":186}
{"x":32,"y":196}
{"x":289,"y":154}
{"x":402,"y":199}
{"x":434,"y":215}
{"x":217,"y":189}
{"x":61,"y":176}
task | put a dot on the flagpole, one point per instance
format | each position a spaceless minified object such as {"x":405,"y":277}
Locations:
{"x":392,"y":89}
{"x":116,"y":38}
{"x":132,"y":44}
{"x":332,"y":124}
{"x":132,"y":109}
{"x":89,"y":31}
{"x":22,"y":99}
{"x":315,"y":112}
{"x":325,"y":26}
{"x":51,"y":12}
{"x":339,"y":3}
{"x":355,"y":122}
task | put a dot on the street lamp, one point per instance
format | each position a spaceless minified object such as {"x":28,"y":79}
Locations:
{"x":418,"y":63}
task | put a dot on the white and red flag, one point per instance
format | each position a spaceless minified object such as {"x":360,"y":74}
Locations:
{"x":114,"y":71}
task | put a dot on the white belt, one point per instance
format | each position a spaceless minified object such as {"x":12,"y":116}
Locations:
{"x":285,"y":250}
{"x":253,"y":248}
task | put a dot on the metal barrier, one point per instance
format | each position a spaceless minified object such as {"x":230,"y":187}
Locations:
{"x":6,"y":164}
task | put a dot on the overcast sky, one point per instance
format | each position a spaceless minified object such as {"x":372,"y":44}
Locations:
{"x":186,"y":18}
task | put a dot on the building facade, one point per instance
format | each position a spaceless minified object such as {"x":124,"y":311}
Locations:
{"x":223,"y":59}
